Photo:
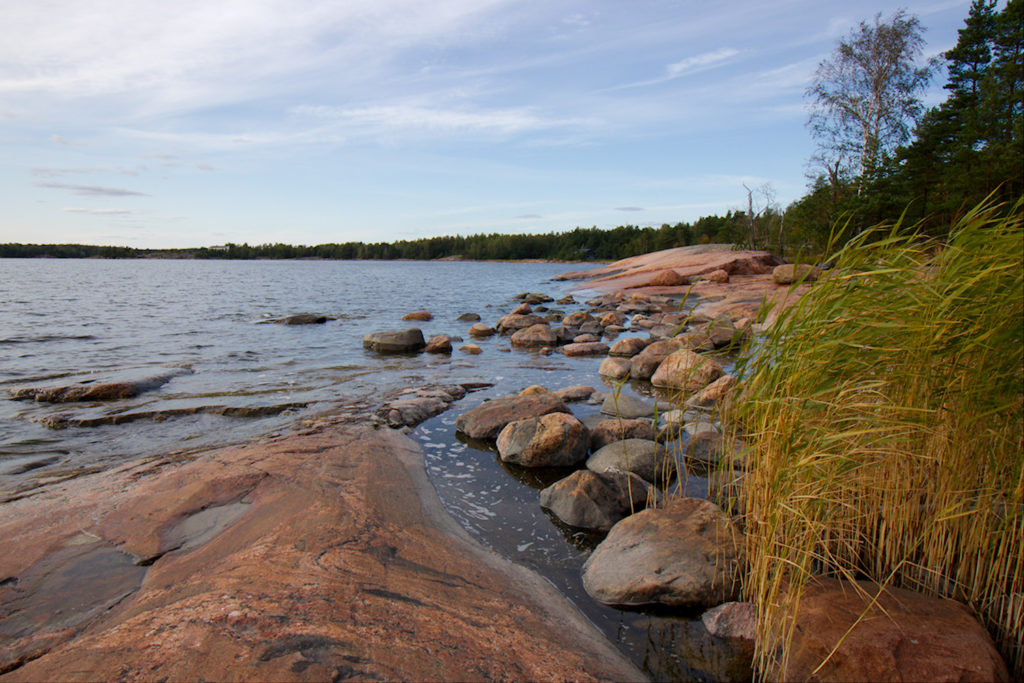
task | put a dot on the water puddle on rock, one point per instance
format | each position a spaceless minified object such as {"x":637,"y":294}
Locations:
{"x":500,"y":505}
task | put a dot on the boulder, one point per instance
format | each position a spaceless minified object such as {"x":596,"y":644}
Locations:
{"x":627,"y":348}
{"x":575,"y":394}
{"x":615,"y":368}
{"x":592,"y":500}
{"x":534,"y":336}
{"x":471,"y":349}
{"x":585,"y":339}
{"x":732,"y":621}
{"x":648,"y":459}
{"x":712,"y":393}
{"x":304,"y":319}
{"x":403,"y":341}
{"x":586,"y":349}
{"x":718,"y":276}
{"x":591,"y":327}
{"x":667,"y":278}
{"x":683,"y":555}
{"x":512,"y":322}
{"x":469,"y":318}
{"x":481,"y":330}
{"x":566,"y":300}
{"x":522,"y":309}
{"x":488,"y":419}
{"x":903,"y":636}
{"x":535,"y":298}
{"x":423,"y":316}
{"x":577,"y":319}
{"x":552,"y":440}
{"x":116,"y":387}
{"x":610,"y":431}
{"x":647,"y":361}
{"x":723,"y":333}
{"x":627,"y":406}
{"x":792,"y":273}
{"x":687,"y":371}
{"x":442,"y":343}
{"x":612,"y":318}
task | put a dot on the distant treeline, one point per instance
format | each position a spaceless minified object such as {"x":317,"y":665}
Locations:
{"x":575,"y":245}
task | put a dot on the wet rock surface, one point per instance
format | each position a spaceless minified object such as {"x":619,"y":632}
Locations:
{"x":647,"y":459}
{"x":683,"y":555}
{"x":401,"y":341}
{"x":552,"y":440}
{"x":592,"y":500}
{"x":321,"y":555}
{"x":110,"y":388}
{"x":488,"y":419}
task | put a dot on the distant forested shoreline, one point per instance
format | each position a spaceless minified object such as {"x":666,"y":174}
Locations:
{"x":580,"y":244}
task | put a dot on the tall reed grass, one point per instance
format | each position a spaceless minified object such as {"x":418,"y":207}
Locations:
{"x":884,"y":417}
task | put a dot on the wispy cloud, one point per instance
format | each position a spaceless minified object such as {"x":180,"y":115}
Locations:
{"x":103,"y":212}
{"x":58,"y":140}
{"x":629,"y":208}
{"x":93,"y":190}
{"x":690,"y":65}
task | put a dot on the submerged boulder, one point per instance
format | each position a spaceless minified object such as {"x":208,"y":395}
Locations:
{"x":595,"y":500}
{"x":683,"y":555}
{"x":402,"y":341}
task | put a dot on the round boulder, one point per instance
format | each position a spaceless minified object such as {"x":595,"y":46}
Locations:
{"x":403,"y":341}
{"x":488,"y":419}
{"x":648,"y":459}
{"x":534,"y":336}
{"x":610,"y":431}
{"x":553,"y":440}
{"x":627,"y":348}
{"x":442,"y":343}
{"x":481,"y":330}
{"x":792,"y":273}
{"x":683,"y":555}
{"x":423,"y":316}
{"x":592,"y":500}
{"x":687,"y":371}
{"x":615,"y":368}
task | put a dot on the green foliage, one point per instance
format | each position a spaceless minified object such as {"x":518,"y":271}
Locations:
{"x":885,"y":420}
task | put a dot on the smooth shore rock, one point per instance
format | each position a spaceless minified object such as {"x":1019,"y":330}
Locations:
{"x":610,"y":431}
{"x":468,"y":318}
{"x":442,"y":343}
{"x":574,"y":394}
{"x":471,"y":349}
{"x":488,"y":419}
{"x":713,"y":393}
{"x":682,"y":555}
{"x":578,"y":318}
{"x":534,"y":336}
{"x":904,"y":636}
{"x":644,"y":364}
{"x":732,"y":621}
{"x":667,"y":278}
{"x":722,"y":333}
{"x":791,"y":273}
{"x":592,"y":500}
{"x":423,"y":316}
{"x":627,"y":406}
{"x":719,"y":276}
{"x":320,"y":556}
{"x":522,"y":309}
{"x":512,"y":322}
{"x":552,"y":440}
{"x":612,"y":318}
{"x":409,"y":407}
{"x":585,"y":338}
{"x":480,"y":330}
{"x":586,"y":349}
{"x":648,"y":459}
{"x":686,"y":371}
{"x":402,"y":341}
{"x":694,"y":341}
{"x":627,"y":348}
{"x":615,"y":368}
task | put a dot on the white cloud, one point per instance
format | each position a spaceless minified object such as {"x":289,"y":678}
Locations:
{"x":103,"y":212}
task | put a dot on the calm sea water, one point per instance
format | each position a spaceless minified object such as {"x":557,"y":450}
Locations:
{"x":69,"y":321}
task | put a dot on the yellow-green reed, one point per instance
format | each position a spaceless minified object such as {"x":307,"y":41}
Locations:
{"x":883,"y":413}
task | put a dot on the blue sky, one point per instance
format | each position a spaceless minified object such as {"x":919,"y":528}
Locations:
{"x":198,"y":122}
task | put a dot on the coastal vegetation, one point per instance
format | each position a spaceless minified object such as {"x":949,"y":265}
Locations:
{"x":885,"y":422}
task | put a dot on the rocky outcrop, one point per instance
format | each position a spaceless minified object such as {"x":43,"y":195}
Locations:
{"x":402,"y":341}
{"x":686,"y":371}
{"x":592,"y":500}
{"x":903,"y":636}
{"x":791,"y":273}
{"x":552,"y":440}
{"x":488,"y":419}
{"x":648,"y":459}
{"x":319,"y":556}
{"x":683,"y":555}
{"x":109,"y":389}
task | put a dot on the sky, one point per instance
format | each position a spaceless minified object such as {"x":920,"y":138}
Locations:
{"x":157,"y":124}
